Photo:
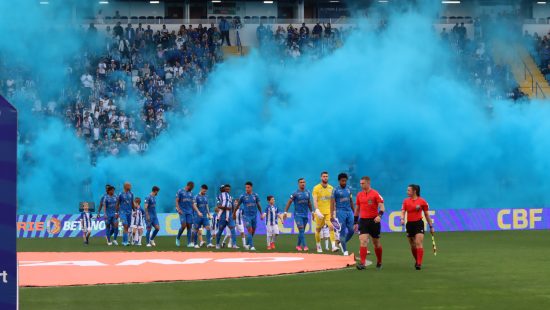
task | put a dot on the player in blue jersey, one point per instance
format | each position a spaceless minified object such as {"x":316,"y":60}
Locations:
{"x":343,"y":202}
{"x":111,"y":215}
{"x":184,"y":206}
{"x":124,"y":206}
{"x":101,"y":206}
{"x":201,"y":217}
{"x":225,"y":205}
{"x":151,"y":216}
{"x":271,"y":222}
{"x":302,"y":204}
{"x":251,"y":206}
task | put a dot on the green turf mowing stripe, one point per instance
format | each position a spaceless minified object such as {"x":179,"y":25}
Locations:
{"x":473,"y":270}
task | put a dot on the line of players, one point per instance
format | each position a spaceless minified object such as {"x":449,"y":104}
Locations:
{"x":332,"y":208}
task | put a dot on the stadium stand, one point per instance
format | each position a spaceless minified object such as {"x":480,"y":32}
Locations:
{"x":137,"y":73}
{"x":125,"y":88}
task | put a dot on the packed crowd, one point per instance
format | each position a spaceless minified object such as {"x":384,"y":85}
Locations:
{"x":475,"y":62}
{"x":295,"y":42}
{"x":123,"y":82}
{"x":127,"y":78}
{"x":539,"y":47}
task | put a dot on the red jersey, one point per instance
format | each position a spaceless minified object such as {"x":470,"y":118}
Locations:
{"x":414,"y":208}
{"x":368,"y":204}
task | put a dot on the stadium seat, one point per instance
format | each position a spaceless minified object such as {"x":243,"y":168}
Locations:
{"x":151,"y":19}
{"x":143,"y":19}
{"x":160,"y":18}
{"x":134,"y":19}
{"x":247,"y":19}
{"x":255,"y":20}
{"x":107,"y":19}
{"x":272,"y":19}
{"x":229,"y":17}
{"x":212,"y":18}
{"x":124,"y":19}
{"x":542,"y":21}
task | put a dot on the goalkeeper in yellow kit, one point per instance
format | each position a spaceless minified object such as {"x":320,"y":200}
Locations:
{"x":324,"y":210}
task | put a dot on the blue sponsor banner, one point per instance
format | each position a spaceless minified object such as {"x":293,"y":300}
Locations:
{"x":68,"y":225}
{"x":8,"y":205}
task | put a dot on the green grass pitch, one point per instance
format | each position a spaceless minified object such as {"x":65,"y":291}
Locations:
{"x":473,"y":270}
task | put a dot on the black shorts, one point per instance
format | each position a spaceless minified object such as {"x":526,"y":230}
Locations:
{"x":368,"y":226}
{"x":414,"y":228}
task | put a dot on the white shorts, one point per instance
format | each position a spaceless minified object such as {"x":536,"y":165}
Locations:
{"x":86,"y":229}
{"x":272,"y":229}
{"x":136,"y":226}
{"x":239,"y":228}
{"x":325,"y":232}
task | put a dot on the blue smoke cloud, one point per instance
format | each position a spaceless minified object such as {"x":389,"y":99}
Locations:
{"x":385,"y":105}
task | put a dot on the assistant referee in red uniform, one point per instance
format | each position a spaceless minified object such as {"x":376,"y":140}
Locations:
{"x":368,"y":214}
{"x":414,"y":206}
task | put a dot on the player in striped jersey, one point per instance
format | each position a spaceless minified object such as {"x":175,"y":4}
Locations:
{"x":215,"y":220}
{"x":239,"y":223}
{"x":86,"y":223}
{"x":239,"y":227}
{"x":271,"y":222}
{"x":225,"y":204}
{"x":137,"y":222}
{"x":325,"y":235}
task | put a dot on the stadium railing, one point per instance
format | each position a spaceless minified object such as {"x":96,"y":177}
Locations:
{"x":536,"y":88}
{"x":207,"y":21}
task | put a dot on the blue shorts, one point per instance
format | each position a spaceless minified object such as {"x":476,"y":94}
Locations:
{"x":250,"y":222}
{"x":226,"y":223}
{"x":301,"y":221}
{"x":153,"y":221}
{"x":111,"y":219}
{"x":345,"y":217}
{"x":125,"y":217}
{"x":201,"y":222}
{"x":186,"y":219}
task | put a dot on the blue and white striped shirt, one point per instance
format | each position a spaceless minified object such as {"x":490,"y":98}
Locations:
{"x":225,"y":200}
{"x":239,"y":217}
{"x":86,"y":220}
{"x":138,"y":217}
{"x":271,"y":215}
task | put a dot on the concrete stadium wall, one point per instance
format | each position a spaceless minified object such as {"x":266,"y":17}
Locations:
{"x":132,"y":9}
